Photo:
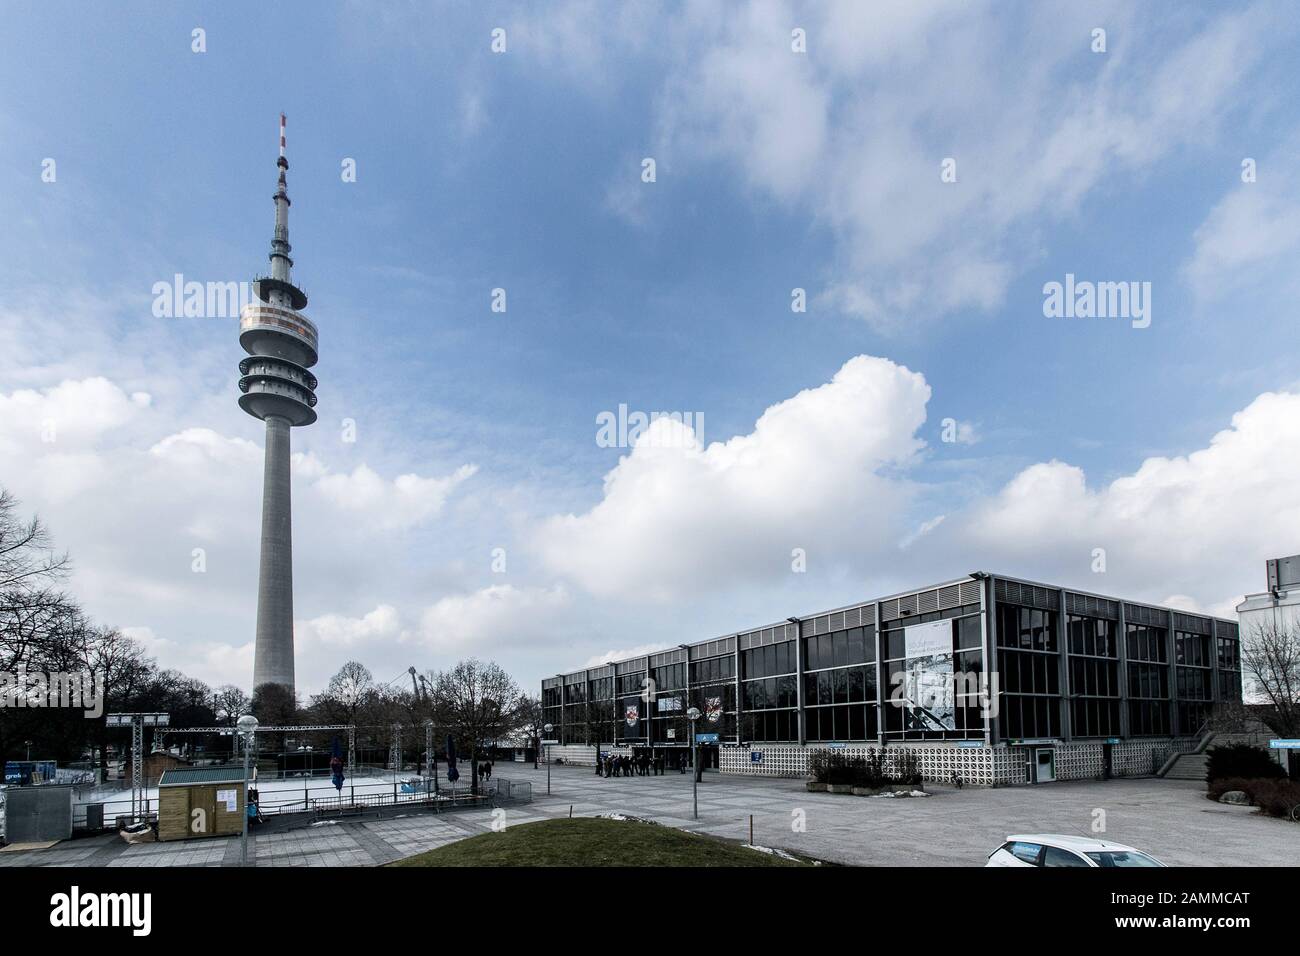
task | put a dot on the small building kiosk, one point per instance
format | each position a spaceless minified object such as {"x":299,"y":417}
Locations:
{"x":200,"y":802}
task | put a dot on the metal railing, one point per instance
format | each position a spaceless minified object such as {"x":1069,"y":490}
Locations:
{"x":323,"y":798}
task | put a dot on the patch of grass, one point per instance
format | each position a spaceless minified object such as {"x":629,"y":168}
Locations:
{"x":585,"y":841}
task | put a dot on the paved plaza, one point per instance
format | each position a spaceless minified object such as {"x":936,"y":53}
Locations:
{"x":1169,"y":818}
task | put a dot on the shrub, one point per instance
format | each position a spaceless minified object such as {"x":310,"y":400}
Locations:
{"x":905,"y":768}
{"x":1241,"y":760}
{"x":819,"y":763}
{"x":1275,"y":797}
{"x":1221,"y":786}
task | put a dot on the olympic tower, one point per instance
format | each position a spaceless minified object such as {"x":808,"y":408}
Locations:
{"x":277,"y":388}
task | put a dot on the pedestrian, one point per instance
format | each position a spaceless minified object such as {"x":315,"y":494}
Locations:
{"x":487,"y":769}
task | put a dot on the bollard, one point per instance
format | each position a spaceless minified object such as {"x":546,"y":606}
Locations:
{"x":751,"y":829}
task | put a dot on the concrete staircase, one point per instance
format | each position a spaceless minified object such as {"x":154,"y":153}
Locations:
{"x":1187,"y":767}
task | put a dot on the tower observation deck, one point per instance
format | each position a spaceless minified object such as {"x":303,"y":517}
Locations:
{"x":277,"y":388}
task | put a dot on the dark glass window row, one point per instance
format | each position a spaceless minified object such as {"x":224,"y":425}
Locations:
{"x":1094,"y":717}
{"x":575,"y":693}
{"x":1192,"y":715}
{"x":669,"y":676}
{"x":769,"y":693}
{"x":1026,"y":717}
{"x":631,"y":683}
{"x":1150,"y":681}
{"x":842,"y":686}
{"x":602,"y":688}
{"x":840,"y":648}
{"x":1229,"y":651}
{"x":849,"y":722}
{"x":1148,"y":718}
{"x":770,"y":726}
{"x":1193,"y":650}
{"x":551,"y":697}
{"x":1026,"y":628}
{"x":1091,"y":636}
{"x":1194,"y":684}
{"x":1094,"y":677}
{"x":1229,"y":685}
{"x":768,"y":661}
{"x":1146,"y":643}
{"x":713,"y":669}
{"x":1028,"y":672}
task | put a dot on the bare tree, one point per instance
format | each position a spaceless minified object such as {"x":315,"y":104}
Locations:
{"x":230,"y":703}
{"x":1270,"y":656}
{"x":346,"y":694}
{"x":477,"y":702}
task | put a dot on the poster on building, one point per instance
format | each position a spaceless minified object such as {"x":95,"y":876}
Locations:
{"x":713,"y":709}
{"x":928,"y":692}
{"x":631,"y":715}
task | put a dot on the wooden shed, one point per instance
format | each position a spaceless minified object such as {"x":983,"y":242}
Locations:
{"x":217,"y":792}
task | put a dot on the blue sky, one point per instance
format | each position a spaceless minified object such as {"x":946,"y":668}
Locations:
{"x":775,"y":170}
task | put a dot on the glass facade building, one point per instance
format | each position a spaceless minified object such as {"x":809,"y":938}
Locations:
{"x":986,"y":658}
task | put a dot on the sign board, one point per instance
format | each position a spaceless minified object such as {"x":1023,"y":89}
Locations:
{"x":926,"y":640}
{"x":1284,"y":744}
{"x":229,"y":799}
{"x":550,"y":742}
{"x":835,"y":745}
{"x":970,"y":743}
{"x":672,"y":734}
{"x":1112,"y":740}
{"x":756,"y":756}
{"x":706,"y":738}
{"x":666,"y":704}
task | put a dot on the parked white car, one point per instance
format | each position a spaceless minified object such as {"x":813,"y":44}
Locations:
{"x":1054,"y":849}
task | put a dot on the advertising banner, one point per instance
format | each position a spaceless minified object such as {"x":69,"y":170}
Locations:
{"x":928,"y":692}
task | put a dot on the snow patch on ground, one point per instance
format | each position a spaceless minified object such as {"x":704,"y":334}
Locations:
{"x":776,"y":851}
{"x":624,"y":817}
{"x":898,"y":793}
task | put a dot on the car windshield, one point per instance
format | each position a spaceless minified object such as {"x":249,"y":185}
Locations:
{"x":1122,"y":858}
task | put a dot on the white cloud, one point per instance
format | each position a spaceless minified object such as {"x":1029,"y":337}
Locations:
{"x":405,"y":501}
{"x":677,"y":518}
{"x":501,"y":615}
{"x":852,"y":133}
{"x":1252,"y":233}
{"x":332,"y":631}
{"x":1206,"y":520}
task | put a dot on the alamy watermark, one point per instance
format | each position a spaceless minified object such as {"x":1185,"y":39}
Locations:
{"x":1073,"y":299}
{"x":624,"y":428}
{"x":200,"y":300}
{"x":75,"y":690}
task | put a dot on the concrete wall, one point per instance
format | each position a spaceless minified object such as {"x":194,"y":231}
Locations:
{"x":978,"y":766}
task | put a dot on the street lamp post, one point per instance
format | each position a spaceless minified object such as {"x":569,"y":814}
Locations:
{"x":693,"y":715}
{"x":547,"y":730}
{"x":248,"y":728}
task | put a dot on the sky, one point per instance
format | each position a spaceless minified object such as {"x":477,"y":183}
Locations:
{"x":822,"y":234}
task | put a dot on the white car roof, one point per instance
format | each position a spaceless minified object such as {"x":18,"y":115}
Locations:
{"x":1068,"y":841}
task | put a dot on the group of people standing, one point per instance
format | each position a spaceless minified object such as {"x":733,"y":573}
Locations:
{"x":485,"y":770}
{"x":640,"y":764}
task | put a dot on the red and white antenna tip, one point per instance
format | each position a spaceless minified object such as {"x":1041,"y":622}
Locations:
{"x":281,"y":134}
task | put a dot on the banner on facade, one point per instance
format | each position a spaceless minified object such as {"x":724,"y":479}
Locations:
{"x":928,"y":692}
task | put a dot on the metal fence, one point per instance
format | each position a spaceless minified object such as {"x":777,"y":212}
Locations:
{"x":321,"y":798}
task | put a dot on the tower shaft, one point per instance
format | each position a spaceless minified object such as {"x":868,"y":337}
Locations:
{"x":273,"y":655}
{"x":277,"y":387}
